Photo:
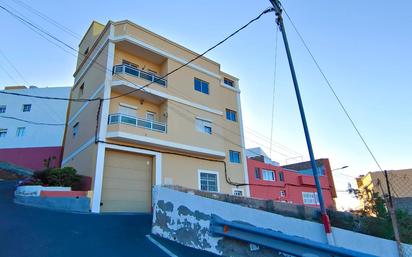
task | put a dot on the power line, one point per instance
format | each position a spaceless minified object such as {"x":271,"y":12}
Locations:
{"x":8,"y":74}
{"x":12,"y":65}
{"x":279,"y":145}
{"x":332,"y":90}
{"x":30,"y":24}
{"x":274,"y":90}
{"x":202,"y":54}
{"x":32,"y":122}
{"x":47,"y":18}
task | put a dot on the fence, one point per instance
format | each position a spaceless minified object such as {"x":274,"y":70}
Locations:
{"x":388,"y":197}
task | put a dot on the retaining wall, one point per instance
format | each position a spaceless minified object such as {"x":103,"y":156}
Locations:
{"x":185,"y":218}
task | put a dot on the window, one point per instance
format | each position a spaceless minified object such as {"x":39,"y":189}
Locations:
{"x":86,"y":51}
{"x":282,"y":193}
{"x":204,"y":126}
{"x":20,"y":131}
{"x":81,"y":90}
{"x":127,"y":109}
{"x":3,"y":108}
{"x":281,"y":176}
{"x":228,"y":82}
{"x":26,"y":107}
{"x":130,"y":64}
{"x":208,"y":181}
{"x":75,"y":129}
{"x":150,"y":116}
{"x":3,"y":132}
{"x":152,"y":71}
{"x":231,"y":115}
{"x":201,"y":86}
{"x":234,"y":156}
{"x":237,"y":192}
{"x":268,"y":175}
{"x":257,"y":173}
{"x":310,"y":198}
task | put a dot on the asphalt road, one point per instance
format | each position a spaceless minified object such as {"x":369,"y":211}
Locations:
{"x":34,"y":232}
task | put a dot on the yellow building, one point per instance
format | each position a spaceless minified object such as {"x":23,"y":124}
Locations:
{"x":400,"y":182}
{"x":181,"y":130}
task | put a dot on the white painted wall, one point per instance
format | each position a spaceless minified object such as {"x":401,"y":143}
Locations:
{"x":290,"y":226}
{"x":42,"y":110}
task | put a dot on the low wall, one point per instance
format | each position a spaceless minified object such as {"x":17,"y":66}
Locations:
{"x":185,"y":218}
{"x":35,"y":190}
{"x":72,"y":204}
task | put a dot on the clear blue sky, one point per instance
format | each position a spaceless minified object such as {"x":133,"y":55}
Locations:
{"x":363,"y":47}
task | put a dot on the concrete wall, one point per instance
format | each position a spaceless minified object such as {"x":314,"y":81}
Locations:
{"x":32,"y":157}
{"x":34,"y":135}
{"x":185,"y":218}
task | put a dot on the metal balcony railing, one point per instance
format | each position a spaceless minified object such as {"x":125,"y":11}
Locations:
{"x":117,"y":118}
{"x":124,"y":68}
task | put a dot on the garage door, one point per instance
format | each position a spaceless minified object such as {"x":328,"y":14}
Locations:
{"x":126,"y":182}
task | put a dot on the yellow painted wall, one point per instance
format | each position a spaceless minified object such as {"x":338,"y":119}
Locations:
{"x":143,"y":64}
{"x":88,"y":40}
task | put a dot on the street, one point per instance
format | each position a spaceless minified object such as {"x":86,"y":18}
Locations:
{"x":28,"y":231}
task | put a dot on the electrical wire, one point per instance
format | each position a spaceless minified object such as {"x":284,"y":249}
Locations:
{"x":47,"y":18}
{"x":32,"y":122}
{"x":274,"y":90}
{"x":12,"y":65}
{"x":30,"y":24}
{"x":8,"y":74}
{"x":333,"y":90}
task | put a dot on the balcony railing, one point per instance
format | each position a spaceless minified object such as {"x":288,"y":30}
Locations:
{"x":124,"y":68}
{"x":117,"y":118}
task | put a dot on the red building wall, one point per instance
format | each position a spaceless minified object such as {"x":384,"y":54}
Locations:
{"x":31,"y":157}
{"x":293,"y":185}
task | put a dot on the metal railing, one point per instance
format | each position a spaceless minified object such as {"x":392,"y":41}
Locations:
{"x":119,"y":118}
{"x":124,"y":68}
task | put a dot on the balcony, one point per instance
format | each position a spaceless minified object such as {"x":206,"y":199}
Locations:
{"x":119,"y":118}
{"x":127,"y":69}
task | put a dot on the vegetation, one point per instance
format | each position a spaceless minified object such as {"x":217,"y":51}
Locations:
{"x":65,"y":177}
{"x":375,"y":219}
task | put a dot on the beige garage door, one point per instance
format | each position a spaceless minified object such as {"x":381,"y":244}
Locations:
{"x":126,"y":182}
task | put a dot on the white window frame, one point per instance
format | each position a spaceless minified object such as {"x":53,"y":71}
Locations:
{"x":3,"y":107}
{"x":128,"y":106}
{"x":210,"y":172}
{"x":240,"y":156}
{"x":310,"y":198}
{"x":230,"y":111}
{"x":20,"y":131}
{"x":3,"y":132}
{"x":81,"y":90}
{"x":150,"y":113}
{"x":238,"y":189}
{"x":24,"y":105}
{"x":75,"y":129}
{"x":201,"y":124}
{"x":265,"y":171}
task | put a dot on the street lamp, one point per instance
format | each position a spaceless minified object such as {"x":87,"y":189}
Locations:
{"x":341,"y":168}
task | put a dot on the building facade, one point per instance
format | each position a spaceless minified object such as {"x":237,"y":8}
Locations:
{"x":400,"y":182}
{"x":184,"y":129}
{"x":281,"y":183}
{"x":31,"y":130}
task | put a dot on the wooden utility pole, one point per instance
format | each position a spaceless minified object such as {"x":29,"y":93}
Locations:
{"x":392,"y":213}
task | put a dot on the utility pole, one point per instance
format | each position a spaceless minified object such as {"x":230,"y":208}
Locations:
{"x":392,"y":213}
{"x":325,"y":218}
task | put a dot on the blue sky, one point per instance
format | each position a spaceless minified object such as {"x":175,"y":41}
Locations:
{"x":363,"y":47}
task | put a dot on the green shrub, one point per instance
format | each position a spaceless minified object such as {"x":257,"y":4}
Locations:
{"x":64,"y":177}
